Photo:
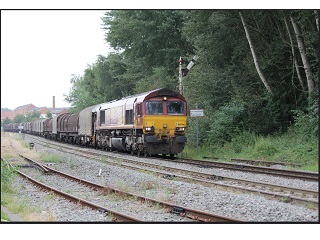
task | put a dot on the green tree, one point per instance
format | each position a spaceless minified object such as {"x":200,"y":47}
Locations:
{"x":226,"y":70}
{"x":226,"y":80}
{"x":102,"y":81}
{"x":150,"y":43}
{"x":19,"y":118}
{"x":32,"y":116}
{"x":48,"y":114}
{"x":5,"y":121}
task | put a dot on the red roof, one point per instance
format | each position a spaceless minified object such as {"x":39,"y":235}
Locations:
{"x":6,"y":114}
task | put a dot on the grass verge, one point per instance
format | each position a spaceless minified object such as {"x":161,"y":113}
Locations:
{"x":288,"y":147}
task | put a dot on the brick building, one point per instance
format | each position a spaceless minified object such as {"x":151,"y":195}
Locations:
{"x":42,"y":110}
{"x":5,"y":112}
{"x":28,"y":108}
{"x":23,"y":109}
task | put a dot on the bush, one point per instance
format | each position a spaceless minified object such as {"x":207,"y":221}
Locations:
{"x":6,"y":176}
{"x":244,"y":139}
{"x":265,"y":147}
{"x":306,"y":123}
{"x":227,"y":122}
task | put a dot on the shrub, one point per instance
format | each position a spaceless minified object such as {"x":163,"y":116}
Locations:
{"x":244,"y":139}
{"x":6,"y":176}
{"x":306,"y":123}
{"x":226,"y":123}
{"x":265,"y":147}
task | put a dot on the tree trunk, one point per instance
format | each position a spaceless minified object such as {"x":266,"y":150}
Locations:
{"x":293,"y":54}
{"x":254,"y":55}
{"x":317,"y":19}
{"x":304,"y":57}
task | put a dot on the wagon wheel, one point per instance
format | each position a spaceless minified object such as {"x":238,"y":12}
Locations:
{"x":145,"y":153}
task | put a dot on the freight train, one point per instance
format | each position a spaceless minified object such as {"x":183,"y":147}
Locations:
{"x":145,"y":124}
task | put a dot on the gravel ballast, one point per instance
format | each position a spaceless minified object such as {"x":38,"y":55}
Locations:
{"x":245,"y":207}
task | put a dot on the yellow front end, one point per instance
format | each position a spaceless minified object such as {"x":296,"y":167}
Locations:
{"x":164,"y":134}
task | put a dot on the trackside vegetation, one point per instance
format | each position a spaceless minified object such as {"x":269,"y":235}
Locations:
{"x":256,"y":76}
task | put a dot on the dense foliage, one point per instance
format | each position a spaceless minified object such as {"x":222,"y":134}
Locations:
{"x":257,"y":70}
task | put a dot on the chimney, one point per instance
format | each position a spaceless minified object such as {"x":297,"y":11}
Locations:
{"x":53,"y":103}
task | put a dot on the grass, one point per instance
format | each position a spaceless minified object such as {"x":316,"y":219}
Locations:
{"x":50,"y":196}
{"x":9,"y":194}
{"x":288,"y":147}
{"x":52,"y":158}
{"x":9,"y":199}
{"x":4,"y":217}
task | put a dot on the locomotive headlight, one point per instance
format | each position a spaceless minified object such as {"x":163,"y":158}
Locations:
{"x":179,"y":130}
{"x":149,"y":129}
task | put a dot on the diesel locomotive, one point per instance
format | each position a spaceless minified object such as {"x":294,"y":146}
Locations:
{"x":145,"y":124}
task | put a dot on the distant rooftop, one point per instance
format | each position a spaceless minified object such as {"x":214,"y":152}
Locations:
{"x":5,"y":110}
{"x":23,"y":106}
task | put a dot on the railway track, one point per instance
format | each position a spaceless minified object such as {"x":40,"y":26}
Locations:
{"x":263,"y":162}
{"x":118,"y":217}
{"x":192,"y":214}
{"x":307,"y":176}
{"x":282,"y":193}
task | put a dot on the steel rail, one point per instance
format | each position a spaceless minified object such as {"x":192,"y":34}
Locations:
{"x":42,"y":168}
{"x":172,"y":208}
{"x":309,"y":176}
{"x":210,"y":179}
{"x":263,"y":162}
{"x":118,"y":217}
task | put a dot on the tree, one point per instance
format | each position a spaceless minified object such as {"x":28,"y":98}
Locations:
{"x":304,"y":56}
{"x":19,"y":118}
{"x":5,"y":121}
{"x":254,"y":55}
{"x":48,"y":114}
{"x":147,"y":46}
{"x":147,"y":41}
{"x":295,"y":61}
{"x":32,"y":116}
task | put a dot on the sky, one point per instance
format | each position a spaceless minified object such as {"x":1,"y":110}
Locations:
{"x":42,"y":49}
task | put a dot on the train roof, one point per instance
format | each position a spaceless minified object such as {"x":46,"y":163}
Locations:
{"x":128,"y":101}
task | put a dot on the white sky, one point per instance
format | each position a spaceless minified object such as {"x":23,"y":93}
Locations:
{"x":41,"y":49}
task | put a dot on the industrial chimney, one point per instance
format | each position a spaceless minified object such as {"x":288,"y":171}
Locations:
{"x":53,"y":103}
